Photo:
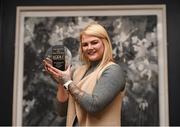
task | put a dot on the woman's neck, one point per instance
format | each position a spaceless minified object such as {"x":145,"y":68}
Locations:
{"x":94,"y":64}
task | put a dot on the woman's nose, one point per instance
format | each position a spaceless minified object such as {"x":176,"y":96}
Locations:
{"x":90,"y":46}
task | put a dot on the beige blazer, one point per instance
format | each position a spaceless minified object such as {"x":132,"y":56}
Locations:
{"x":110,"y":116}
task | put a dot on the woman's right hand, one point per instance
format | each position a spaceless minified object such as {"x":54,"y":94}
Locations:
{"x":56,"y":74}
{"x":60,"y":76}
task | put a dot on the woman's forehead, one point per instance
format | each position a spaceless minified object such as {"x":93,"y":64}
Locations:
{"x":87,"y":38}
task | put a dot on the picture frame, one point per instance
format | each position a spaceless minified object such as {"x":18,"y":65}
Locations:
{"x":139,"y":40}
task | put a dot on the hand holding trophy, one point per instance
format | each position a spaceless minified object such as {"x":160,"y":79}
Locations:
{"x":57,"y":63}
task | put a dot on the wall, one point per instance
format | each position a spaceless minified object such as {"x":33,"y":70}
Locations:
{"x":7,"y":41}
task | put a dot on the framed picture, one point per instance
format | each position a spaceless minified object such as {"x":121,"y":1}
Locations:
{"x":138,"y":35}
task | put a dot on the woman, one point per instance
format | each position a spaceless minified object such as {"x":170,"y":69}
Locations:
{"x":95,"y":91}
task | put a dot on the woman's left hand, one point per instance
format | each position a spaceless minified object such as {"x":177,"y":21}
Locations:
{"x":60,"y":76}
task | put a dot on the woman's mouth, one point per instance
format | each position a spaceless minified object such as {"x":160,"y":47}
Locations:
{"x":91,"y":52}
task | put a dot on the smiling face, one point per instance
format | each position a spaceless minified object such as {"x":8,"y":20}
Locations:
{"x":92,"y":48}
{"x":95,"y":45}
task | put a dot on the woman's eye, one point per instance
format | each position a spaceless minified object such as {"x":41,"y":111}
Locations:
{"x":94,"y":42}
{"x":84,"y":44}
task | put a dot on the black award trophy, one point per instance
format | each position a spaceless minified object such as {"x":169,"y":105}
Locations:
{"x":58,"y":57}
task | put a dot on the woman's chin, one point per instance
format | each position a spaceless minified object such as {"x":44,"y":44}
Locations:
{"x":93,"y":59}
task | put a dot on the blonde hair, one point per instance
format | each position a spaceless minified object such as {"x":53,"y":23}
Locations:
{"x":97,"y":30}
